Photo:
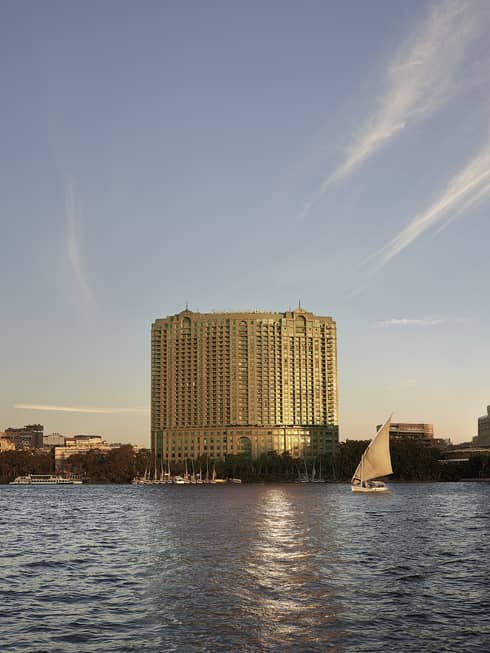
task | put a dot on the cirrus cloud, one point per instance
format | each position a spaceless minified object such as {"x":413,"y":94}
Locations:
{"x":467,"y":188}
{"x":405,"y":321}
{"x":82,"y":409}
{"x":422,"y":76}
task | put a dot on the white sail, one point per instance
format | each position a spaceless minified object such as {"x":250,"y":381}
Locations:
{"x":376,"y":460}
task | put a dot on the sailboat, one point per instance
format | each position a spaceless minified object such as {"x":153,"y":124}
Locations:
{"x":375,"y":462}
{"x":145,"y":479}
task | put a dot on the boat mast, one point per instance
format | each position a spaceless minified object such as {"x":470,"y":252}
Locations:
{"x":156,"y":455}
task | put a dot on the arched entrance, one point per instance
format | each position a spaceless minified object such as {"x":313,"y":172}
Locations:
{"x":245,"y":446}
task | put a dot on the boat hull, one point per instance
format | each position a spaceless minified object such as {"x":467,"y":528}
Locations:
{"x":358,"y":488}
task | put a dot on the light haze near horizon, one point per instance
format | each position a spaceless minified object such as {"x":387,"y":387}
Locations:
{"x":237,"y":156}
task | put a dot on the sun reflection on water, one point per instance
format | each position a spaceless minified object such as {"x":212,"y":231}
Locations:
{"x":292,"y":597}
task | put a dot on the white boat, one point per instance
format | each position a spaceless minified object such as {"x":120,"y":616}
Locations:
{"x":375,"y":463}
{"x":154,"y":478}
{"x":141,"y":480}
{"x":46,"y":479}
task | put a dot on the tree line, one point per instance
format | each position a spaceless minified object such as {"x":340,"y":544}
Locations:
{"x":20,"y":463}
{"x":411,"y":461}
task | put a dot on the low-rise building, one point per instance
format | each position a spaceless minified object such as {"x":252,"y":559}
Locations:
{"x":29,"y":436}
{"x":79,"y":444}
{"x":463,"y":453}
{"x":440,"y":443}
{"x":411,"y":431}
{"x":5,"y":443}
{"x":136,"y":447}
{"x":54,"y":440}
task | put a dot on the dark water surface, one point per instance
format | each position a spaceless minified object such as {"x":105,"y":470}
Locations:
{"x":306,"y":568}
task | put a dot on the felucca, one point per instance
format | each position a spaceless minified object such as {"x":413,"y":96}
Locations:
{"x":375,"y":463}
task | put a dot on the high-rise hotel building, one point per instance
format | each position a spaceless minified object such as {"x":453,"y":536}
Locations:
{"x":229,"y":383}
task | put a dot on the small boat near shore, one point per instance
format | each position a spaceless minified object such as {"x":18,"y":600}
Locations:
{"x":189,"y":480}
{"x":46,"y":479}
{"x":188,"y":477}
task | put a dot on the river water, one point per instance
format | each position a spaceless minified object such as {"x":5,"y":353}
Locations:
{"x":250,"y":568}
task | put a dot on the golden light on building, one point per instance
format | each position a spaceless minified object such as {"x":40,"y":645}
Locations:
{"x":229,"y":383}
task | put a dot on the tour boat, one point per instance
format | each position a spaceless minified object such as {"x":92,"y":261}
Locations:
{"x":375,"y":463}
{"x":46,"y":479}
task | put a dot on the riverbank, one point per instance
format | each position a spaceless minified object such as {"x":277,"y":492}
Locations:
{"x":411,"y":461}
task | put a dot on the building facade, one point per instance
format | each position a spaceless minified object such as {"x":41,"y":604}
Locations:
{"x":411,"y":431}
{"x":483,"y":437}
{"x":230,"y":383}
{"x":54,"y":440}
{"x":5,"y":443}
{"x":26,"y":437}
{"x":79,"y":444}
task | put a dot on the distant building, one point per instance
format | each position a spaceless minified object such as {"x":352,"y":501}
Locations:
{"x":483,"y":437}
{"x":54,"y":440}
{"x":462,"y":454}
{"x":412,"y":431}
{"x":26,"y":437}
{"x":117,"y":445}
{"x":441,"y":443}
{"x":244,"y":382}
{"x":79,"y":444}
{"x":5,"y":443}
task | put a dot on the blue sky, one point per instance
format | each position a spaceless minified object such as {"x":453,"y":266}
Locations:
{"x":239,"y":155}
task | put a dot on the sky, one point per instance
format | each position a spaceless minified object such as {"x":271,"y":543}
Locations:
{"x":237,"y":156}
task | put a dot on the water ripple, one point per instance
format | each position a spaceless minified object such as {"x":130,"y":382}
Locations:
{"x":286,"y":568}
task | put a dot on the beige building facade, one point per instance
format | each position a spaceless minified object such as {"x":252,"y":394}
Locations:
{"x":411,"y":431}
{"x":79,"y":444}
{"x":5,"y":443}
{"x":54,"y":440}
{"x":483,"y":437}
{"x":251,"y":382}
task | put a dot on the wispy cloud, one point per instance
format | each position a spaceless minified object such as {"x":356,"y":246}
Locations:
{"x":467,"y":188}
{"x":421,"y":78}
{"x":73,"y":245}
{"x":80,"y":409}
{"x":405,"y":321}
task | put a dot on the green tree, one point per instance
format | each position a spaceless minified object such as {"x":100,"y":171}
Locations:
{"x":118,"y":466}
{"x":20,"y":463}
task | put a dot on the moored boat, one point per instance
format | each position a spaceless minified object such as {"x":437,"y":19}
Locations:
{"x":46,"y":479}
